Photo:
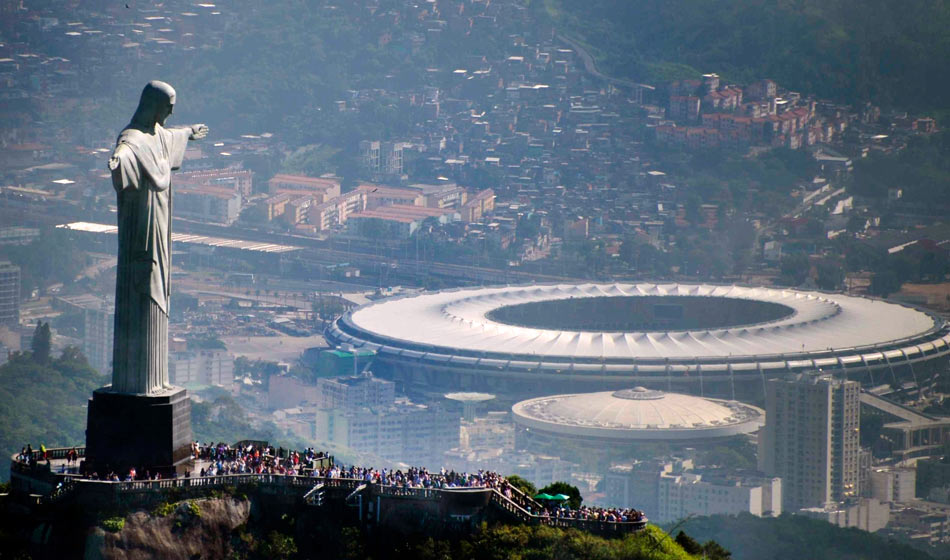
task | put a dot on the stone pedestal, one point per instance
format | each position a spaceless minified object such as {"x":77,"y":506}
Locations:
{"x":148,"y":432}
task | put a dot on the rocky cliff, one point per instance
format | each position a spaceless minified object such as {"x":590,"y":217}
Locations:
{"x":202,"y":528}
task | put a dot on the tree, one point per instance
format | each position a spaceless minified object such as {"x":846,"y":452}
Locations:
{"x":830,"y":275}
{"x":715,"y":551}
{"x":522,"y":484}
{"x":693,"y":208}
{"x":327,"y":306}
{"x":573,"y":493}
{"x":884,"y":283}
{"x":689,"y":544}
{"x":794,"y":269}
{"x":529,"y":226}
{"x":253,"y":214}
{"x":41,"y":343}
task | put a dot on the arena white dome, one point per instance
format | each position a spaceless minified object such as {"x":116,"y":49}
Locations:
{"x":639,"y":414}
{"x":620,"y":335}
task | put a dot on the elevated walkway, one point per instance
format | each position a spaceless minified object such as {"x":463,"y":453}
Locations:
{"x":376,"y":503}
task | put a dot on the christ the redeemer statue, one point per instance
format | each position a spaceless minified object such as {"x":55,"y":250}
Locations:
{"x":145,"y":155}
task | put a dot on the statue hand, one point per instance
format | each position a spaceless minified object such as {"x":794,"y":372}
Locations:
{"x":198,"y":131}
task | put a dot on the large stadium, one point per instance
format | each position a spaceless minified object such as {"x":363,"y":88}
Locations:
{"x":701,"y":338}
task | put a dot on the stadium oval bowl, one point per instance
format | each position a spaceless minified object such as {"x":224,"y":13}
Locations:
{"x":614,"y":336}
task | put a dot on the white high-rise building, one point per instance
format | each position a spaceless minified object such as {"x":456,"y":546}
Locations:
{"x":671,"y":490}
{"x":9,"y":294}
{"x":201,"y":367}
{"x":894,"y":484}
{"x":98,"y":328}
{"x":360,"y":391}
{"x":811,"y":439}
{"x":381,"y":158}
{"x":410,"y":433}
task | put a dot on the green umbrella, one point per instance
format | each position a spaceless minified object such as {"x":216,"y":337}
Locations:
{"x":560,"y":497}
{"x":544,"y":497}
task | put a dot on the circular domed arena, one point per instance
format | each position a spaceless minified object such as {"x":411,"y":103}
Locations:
{"x":695,"y":338}
{"x":622,"y":419}
{"x":636,"y":415}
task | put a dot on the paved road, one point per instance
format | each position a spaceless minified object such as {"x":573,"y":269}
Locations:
{"x":591,"y":66}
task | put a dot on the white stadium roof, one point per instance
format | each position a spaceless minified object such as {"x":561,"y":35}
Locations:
{"x":638,"y":414}
{"x":458,"y":320}
{"x":451,"y":333}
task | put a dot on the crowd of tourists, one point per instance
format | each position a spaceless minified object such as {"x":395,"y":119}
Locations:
{"x":224,"y":459}
{"x":218,"y":459}
{"x":415,"y":477}
{"x":588,"y":513}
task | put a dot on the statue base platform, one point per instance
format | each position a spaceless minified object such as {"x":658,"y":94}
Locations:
{"x":148,"y":432}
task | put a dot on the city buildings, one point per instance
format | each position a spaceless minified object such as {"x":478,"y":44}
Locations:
{"x":336,"y":211}
{"x":98,"y":328}
{"x":670,"y":490}
{"x":906,"y":434}
{"x":9,"y":293}
{"x":867,"y":514}
{"x":811,"y":439}
{"x":362,"y":413}
{"x":402,"y":431}
{"x":478,"y":206}
{"x":381,"y":159}
{"x":240,"y":181}
{"x":893,"y":484}
{"x":321,"y":188}
{"x":9,"y":309}
{"x":98,"y":323}
{"x":201,"y":367}
{"x":364,"y":391}
{"x":217,"y":205}
{"x":397,"y":222}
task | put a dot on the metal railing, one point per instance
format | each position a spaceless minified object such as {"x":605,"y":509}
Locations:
{"x":589,"y":525}
{"x":313,"y":489}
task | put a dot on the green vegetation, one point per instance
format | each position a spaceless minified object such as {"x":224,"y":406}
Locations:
{"x":922,"y":170}
{"x":223,"y":419}
{"x":711,"y":549}
{"x":41,"y":343}
{"x":933,"y":473}
{"x":748,"y":185}
{"x":193,"y":509}
{"x":892,"y":53}
{"x":278,"y":546}
{"x":206,"y":342}
{"x":285,"y":68}
{"x":791,"y":537}
{"x":512,"y":542}
{"x":257,"y":369}
{"x":44,"y":404}
{"x":734,"y":453}
{"x":312,"y":160}
{"x":573,"y":492}
{"x":521,"y":484}
{"x":54,"y":257}
{"x":113,"y":524}
{"x":164,"y":509}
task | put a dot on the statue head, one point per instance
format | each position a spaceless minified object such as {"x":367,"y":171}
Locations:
{"x":155,"y":105}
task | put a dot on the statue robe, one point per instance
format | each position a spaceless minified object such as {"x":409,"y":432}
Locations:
{"x":142,"y":181}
